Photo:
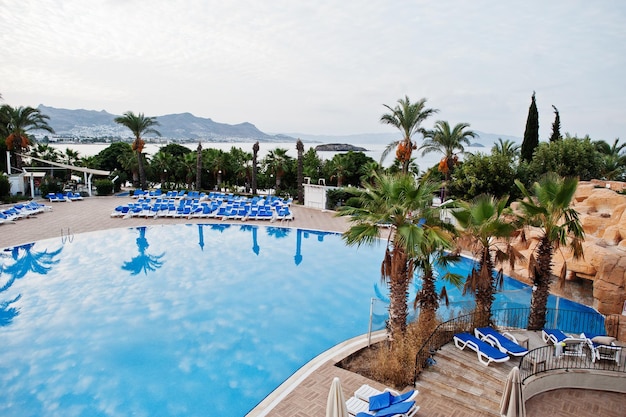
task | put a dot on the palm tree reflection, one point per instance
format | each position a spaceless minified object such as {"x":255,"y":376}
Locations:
{"x":144,"y":261}
{"x":25,"y":260}
{"x":254,"y":229}
{"x":278,"y":232}
{"x":306,"y":233}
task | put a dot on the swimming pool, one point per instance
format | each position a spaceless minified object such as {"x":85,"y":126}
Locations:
{"x":176,"y":320}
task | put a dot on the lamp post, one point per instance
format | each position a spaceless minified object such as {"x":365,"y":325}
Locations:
{"x":219,"y":180}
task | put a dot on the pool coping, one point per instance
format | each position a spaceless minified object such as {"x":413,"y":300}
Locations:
{"x":335,"y":353}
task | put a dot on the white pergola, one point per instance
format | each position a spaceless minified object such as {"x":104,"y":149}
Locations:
{"x":87,"y":172}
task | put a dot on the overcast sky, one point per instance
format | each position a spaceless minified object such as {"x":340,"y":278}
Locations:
{"x":323,"y":67}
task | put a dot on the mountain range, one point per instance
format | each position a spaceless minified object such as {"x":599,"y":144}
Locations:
{"x":185,"y":127}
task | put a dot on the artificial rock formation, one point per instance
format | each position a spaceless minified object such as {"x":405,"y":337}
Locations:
{"x":602,"y":212}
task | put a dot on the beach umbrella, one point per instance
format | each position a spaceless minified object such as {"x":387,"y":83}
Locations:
{"x":512,"y":402}
{"x":336,"y":404}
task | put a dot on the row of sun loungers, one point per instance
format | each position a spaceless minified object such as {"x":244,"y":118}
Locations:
{"x":223,"y":207}
{"x":369,"y":402}
{"x":63,"y":197}
{"x":21,"y":211}
{"x":492,"y":346}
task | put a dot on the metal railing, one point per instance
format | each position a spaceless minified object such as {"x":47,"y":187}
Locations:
{"x":569,"y":321}
{"x":553,"y":358}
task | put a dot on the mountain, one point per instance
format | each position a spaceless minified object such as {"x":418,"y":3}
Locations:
{"x":183,"y":127}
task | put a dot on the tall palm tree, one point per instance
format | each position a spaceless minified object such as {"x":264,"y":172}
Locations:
{"x":399,"y":202}
{"x":548,"y":208}
{"x":199,"y":166}
{"x":447,"y":141}
{"x":485,"y":226}
{"x":406,"y":117}
{"x":16,"y":123}
{"x":255,"y":154}
{"x":300,"y":175}
{"x":139,"y":125}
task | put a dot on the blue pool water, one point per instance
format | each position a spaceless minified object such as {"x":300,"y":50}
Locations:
{"x":187,"y":320}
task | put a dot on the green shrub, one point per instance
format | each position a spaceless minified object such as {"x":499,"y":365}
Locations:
{"x":5,"y":186}
{"x":104,"y":187}
{"x":49,"y":185}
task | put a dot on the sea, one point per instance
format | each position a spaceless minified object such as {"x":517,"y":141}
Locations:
{"x":373,"y":150}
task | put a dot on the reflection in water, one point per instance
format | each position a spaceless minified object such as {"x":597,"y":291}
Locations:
{"x":278,"y":232}
{"x":144,"y":261}
{"x":201,"y":236}
{"x":298,"y":256}
{"x":254,"y":229}
{"x":25,"y":260}
{"x":220,"y":227}
{"x":306,"y":233}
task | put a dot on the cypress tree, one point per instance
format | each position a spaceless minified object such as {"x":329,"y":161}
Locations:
{"x":556,"y":126}
{"x":531,"y":134}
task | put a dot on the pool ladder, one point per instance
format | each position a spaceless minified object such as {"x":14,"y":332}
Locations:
{"x":69,"y":237}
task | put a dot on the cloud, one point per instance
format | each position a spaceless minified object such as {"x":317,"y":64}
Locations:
{"x":323,"y":67}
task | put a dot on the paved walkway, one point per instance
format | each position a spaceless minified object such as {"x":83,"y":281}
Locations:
{"x":305,"y":393}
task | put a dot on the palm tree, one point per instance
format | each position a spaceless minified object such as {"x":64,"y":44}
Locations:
{"x":406,"y":117}
{"x":548,"y":208}
{"x":47,"y":152}
{"x":255,"y":154}
{"x":129,"y":163}
{"x":139,"y":125}
{"x":300,"y":176}
{"x":17,"y":122}
{"x":277,"y":162}
{"x":339,"y":166}
{"x":399,"y":202}
{"x":163,"y":163}
{"x":189,"y":163}
{"x":613,"y":159}
{"x":369,"y":170}
{"x":70,"y":157}
{"x":447,"y":141}
{"x":199,"y":166}
{"x":507,"y":148}
{"x":485,"y":226}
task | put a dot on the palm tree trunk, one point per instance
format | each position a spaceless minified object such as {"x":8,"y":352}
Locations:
{"x":255,"y":151}
{"x":142,"y":171}
{"x":542,"y":280}
{"x":300,"y":148}
{"x":398,"y":290}
{"x":199,"y":167}
{"x":484,"y":292}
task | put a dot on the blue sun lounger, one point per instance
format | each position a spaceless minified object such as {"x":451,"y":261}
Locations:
{"x":486,"y":353}
{"x":505,"y":342}
{"x":571,"y":346}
